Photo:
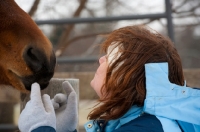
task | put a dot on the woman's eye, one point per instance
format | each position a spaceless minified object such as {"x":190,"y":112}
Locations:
{"x":106,"y":57}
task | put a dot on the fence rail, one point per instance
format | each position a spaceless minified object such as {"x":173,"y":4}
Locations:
{"x":8,"y":127}
{"x":101,"y":19}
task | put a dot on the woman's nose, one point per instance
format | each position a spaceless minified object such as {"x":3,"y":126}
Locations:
{"x":102,"y":59}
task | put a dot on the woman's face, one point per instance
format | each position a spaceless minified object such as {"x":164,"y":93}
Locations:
{"x":100,"y":75}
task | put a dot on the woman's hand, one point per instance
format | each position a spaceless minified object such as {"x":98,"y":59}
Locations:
{"x":66,"y":109}
{"x":37,"y":112}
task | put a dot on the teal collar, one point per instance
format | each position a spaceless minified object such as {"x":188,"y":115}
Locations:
{"x":111,"y":125}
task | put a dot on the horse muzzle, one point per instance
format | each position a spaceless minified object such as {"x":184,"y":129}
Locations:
{"x":41,"y":65}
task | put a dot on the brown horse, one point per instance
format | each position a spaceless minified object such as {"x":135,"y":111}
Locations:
{"x":26,"y":55}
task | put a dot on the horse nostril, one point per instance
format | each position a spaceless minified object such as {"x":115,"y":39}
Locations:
{"x":33,"y":58}
{"x":32,"y":54}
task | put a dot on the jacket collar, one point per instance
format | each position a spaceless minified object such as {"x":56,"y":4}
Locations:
{"x":132,"y":113}
{"x":111,"y":125}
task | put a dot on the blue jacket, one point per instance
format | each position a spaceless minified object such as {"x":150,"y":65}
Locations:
{"x":171,"y":103}
{"x":144,"y":123}
{"x":46,"y":129}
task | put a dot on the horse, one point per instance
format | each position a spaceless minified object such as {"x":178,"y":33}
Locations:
{"x":26,"y":54}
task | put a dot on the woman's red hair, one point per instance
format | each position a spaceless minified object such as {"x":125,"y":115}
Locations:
{"x":125,"y":80}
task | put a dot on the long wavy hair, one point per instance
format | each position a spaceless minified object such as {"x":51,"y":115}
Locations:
{"x":125,"y":79}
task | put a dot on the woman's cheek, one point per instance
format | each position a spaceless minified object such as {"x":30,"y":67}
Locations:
{"x":96,"y":84}
{"x":99,"y":78}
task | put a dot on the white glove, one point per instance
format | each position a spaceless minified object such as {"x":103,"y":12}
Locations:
{"x":66,"y":109}
{"x":37,"y":112}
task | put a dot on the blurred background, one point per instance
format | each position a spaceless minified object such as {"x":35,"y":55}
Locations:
{"x":82,"y":39}
{"x":76,"y":45}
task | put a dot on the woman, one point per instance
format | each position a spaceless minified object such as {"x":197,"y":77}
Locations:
{"x":120,"y":78}
{"x":120,"y":82}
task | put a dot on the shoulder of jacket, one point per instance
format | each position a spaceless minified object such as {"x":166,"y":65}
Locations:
{"x":44,"y":129}
{"x":143,"y":123}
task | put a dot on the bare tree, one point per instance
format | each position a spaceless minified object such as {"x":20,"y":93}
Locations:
{"x":61,"y":45}
{"x":34,"y":7}
{"x":187,"y":9}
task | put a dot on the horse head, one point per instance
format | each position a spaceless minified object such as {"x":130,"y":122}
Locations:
{"x":26,"y":55}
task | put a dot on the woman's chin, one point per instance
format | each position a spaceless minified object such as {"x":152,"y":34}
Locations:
{"x":92,"y":84}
